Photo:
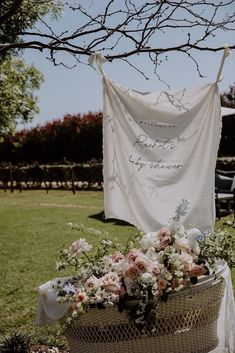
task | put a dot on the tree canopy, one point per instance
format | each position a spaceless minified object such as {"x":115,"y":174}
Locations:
{"x":16,"y":16}
{"x":18,"y":82}
{"x":228,"y":97}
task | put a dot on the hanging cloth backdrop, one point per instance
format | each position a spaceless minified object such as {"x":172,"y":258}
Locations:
{"x":160,"y":148}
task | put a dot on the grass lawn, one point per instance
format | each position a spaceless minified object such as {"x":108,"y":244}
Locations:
{"x":32,"y":232}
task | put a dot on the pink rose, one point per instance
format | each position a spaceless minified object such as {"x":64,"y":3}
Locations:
{"x":164,"y":236}
{"x":186,"y":260}
{"x":162,"y":284}
{"x":133,"y":255}
{"x":164,"y":233}
{"x":163,"y":243}
{"x":174,"y":283}
{"x":132,"y":271}
{"x":110,"y":282}
{"x":156,"y":270}
{"x":196,"y":270}
{"x":117,"y":256}
{"x":92,"y":283}
{"x":141,"y":264}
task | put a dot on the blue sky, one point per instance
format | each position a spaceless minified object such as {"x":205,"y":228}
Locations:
{"x":79,"y":90}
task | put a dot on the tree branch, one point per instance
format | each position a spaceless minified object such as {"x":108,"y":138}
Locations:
{"x":123,"y":29}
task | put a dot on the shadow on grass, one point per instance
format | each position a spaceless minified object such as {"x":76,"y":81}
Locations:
{"x":100,"y":217}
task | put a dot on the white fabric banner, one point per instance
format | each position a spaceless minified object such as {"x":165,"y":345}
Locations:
{"x":159,"y":148}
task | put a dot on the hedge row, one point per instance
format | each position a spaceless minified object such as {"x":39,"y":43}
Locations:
{"x":76,"y":138}
{"x":51,"y":176}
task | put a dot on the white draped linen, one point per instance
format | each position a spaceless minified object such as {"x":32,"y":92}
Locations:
{"x":159,"y":148}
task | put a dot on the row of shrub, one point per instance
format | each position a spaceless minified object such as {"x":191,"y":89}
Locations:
{"x":76,"y":138}
{"x":74,"y":176}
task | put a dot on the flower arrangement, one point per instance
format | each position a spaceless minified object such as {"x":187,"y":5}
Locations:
{"x":147,"y":269}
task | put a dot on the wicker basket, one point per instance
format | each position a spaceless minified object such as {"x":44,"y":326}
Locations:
{"x":186,"y":323}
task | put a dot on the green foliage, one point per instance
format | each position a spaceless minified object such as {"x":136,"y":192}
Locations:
{"x":219,"y":245}
{"x":15,"y":343}
{"x":18,"y":81}
{"x":24,"y":17}
{"x":29,"y":248}
{"x":30,"y":245}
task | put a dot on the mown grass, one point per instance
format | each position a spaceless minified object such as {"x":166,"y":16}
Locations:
{"x":32,"y":231}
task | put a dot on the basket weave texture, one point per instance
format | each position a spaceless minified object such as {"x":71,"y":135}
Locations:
{"x":186,"y":323}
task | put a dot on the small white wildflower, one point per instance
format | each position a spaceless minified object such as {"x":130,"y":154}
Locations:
{"x":168,"y":276}
{"x":53,"y":350}
{"x":107,"y":242}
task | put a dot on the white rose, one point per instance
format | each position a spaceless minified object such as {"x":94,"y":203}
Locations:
{"x":182,"y":243}
{"x":146,"y":277}
{"x":150,"y":240}
{"x":110,"y":282}
{"x":192,"y":235}
{"x":92,"y":283}
{"x":121,"y":266}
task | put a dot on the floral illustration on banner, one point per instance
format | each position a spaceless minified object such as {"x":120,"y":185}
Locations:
{"x":148,"y":269}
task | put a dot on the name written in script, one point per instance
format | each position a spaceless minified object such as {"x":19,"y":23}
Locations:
{"x":146,"y":142}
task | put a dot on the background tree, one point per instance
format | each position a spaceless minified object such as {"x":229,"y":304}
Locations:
{"x":18,"y":82}
{"x":75,"y":138}
{"x":228,"y":97}
{"x":17,"y":16}
{"x":120,"y":29}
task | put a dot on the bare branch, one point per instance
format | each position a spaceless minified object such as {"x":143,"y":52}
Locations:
{"x":122,"y":29}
